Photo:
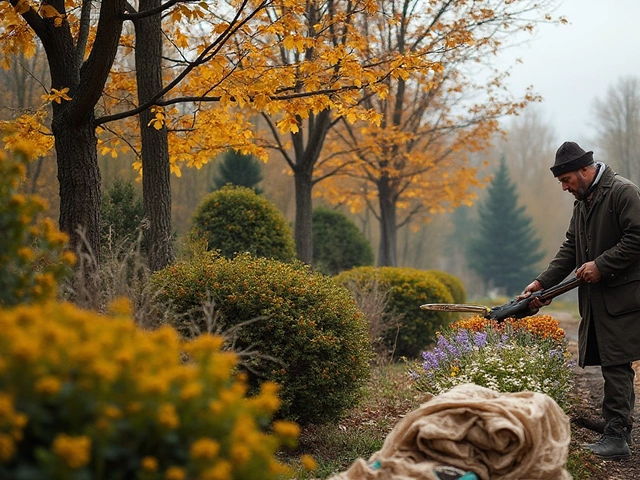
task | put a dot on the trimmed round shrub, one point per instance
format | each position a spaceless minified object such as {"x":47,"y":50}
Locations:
{"x":311,"y":338}
{"x":236,"y":220}
{"x":408,"y":289}
{"x":87,"y":396}
{"x":338,"y":245}
{"x":453,"y":283}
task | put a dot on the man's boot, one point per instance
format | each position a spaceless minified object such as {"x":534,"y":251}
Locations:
{"x":597,"y":425}
{"x":612,"y":444}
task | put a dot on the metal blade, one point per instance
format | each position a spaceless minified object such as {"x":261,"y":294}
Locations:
{"x":456,"y":307}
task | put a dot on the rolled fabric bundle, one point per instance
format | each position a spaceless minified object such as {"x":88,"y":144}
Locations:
{"x":498,"y":436}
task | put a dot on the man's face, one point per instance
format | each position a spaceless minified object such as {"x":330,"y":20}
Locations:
{"x":576,"y":183}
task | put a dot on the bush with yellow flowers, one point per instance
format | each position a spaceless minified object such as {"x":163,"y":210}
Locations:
{"x":85,"y":396}
{"x":408,"y":289}
{"x":32,"y":255}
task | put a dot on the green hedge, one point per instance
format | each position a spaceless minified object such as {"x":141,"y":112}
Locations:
{"x":453,"y":283}
{"x":408,"y":289}
{"x":304,"y":319}
{"x":338,"y":245}
{"x":237,"y":220}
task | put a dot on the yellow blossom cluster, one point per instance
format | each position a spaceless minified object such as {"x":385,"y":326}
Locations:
{"x":125,"y":400}
{"x":32,"y":250}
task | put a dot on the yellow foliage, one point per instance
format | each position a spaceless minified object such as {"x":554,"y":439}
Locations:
{"x":45,"y":347}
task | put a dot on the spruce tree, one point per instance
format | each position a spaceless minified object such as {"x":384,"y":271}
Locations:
{"x":505,"y":250}
{"x":239,"y":170}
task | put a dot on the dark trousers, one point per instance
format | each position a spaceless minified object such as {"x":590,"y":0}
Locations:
{"x":619,"y":395}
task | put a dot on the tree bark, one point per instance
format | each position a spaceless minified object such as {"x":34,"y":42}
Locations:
{"x":306,"y":157}
{"x":304,"y":215}
{"x":156,"y":181}
{"x":72,"y":122}
{"x":79,"y":178}
{"x":387,"y":251}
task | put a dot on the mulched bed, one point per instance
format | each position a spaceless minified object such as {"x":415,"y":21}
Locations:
{"x":588,"y":391}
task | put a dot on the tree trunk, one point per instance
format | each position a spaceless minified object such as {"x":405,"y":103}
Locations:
{"x":304,"y":215}
{"x":79,"y":177}
{"x":387,"y":252}
{"x":156,"y":184}
{"x":306,"y":157}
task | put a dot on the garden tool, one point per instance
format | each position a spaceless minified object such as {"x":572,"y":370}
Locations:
{"x":517,"y":307}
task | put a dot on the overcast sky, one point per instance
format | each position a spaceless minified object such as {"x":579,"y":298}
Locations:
{"x":570,"y":65}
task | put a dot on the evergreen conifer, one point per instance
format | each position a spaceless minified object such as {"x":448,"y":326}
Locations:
{"x":238,"y":169}
{"x":506,"y":249}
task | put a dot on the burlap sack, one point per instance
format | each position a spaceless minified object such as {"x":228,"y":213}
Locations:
{"x":498,"y":436}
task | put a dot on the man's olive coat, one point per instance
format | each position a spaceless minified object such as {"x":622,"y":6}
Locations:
{"x":607,"y":232}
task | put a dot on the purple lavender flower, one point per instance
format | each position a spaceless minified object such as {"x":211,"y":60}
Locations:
{"x":462,"y":339}
{"x":555,"y":354}
{"x":414,"y":376}
{"x":440,"y":354}
{"x":453,"y":350}
{"x":442,"y":342}
{"x":480,"y":338}
{"x":431,"y":361}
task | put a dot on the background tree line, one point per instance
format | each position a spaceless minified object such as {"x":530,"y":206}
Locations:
{"x":338,"y":147}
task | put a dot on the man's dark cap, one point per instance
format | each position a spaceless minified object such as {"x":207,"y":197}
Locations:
{"x":569,"y":157}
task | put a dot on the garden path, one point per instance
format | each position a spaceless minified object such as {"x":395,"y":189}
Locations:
{"x":589,"y":390}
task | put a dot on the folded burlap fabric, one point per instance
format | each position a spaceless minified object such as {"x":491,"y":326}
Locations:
{"x":498,"y":436}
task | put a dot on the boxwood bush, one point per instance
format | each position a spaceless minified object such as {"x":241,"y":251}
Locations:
{"x":408,"y":289}
{"x":235,"y":219}
{"x":303,"y":319}
{"x":338,"y":245}
{"x":453,"y":283}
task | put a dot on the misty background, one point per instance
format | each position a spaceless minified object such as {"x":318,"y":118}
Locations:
{"x":589,"y":82}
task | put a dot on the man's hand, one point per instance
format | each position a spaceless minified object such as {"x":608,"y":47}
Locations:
{"x":533,"y":287}
{"x":589,"y":273}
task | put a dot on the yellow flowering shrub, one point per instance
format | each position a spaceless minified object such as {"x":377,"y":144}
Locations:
{"x":32,"y":249}
{"x":85,"y":396}
{"x":408,"y":289}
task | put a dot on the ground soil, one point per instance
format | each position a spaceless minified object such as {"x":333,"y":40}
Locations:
{"x":588,"y":387}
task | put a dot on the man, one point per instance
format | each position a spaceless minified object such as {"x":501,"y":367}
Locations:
{"x":602,"y":245}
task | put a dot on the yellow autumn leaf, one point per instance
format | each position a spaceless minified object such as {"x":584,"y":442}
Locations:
{"x":22,"y":6}
{"x":48,"y":11}
{"x":221,"y":27}
{"x":289,"y":42}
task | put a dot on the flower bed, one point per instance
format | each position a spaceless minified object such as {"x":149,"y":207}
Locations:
{"x":528,"y":354}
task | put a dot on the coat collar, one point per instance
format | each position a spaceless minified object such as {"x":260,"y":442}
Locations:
{"x":602,"y":188}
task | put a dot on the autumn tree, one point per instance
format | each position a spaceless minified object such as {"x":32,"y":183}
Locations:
{"x":218,"y":74}
{"x":326,"y":54}
{"x":617,"y":120}
{"x":416,"y":162}
{"x":22,"y":89}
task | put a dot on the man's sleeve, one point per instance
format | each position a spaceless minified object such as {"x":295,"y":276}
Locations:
{"x":627,"y":250}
